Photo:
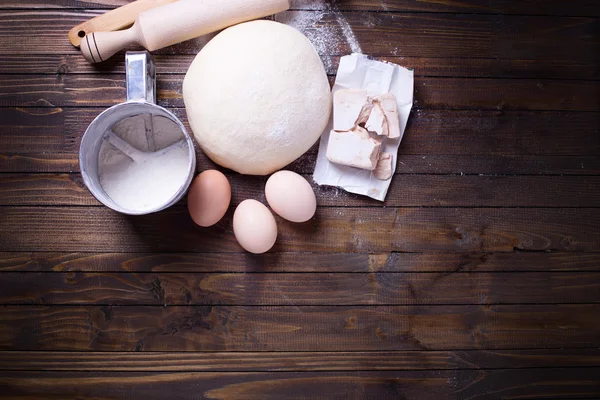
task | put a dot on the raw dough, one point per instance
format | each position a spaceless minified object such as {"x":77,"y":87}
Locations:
{"x":257,"y":97}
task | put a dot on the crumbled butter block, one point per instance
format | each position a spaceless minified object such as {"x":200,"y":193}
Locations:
{"x":354,"y":148}
{"x":377,"y":121}
{"x":355,"y":117}
{"x":383,"y":171}
{"x":379,"y":114}
{"x":347,"y":105}
{"x":364,"y":115}
{"x":388,"y":104}
{"x":358,"y":71}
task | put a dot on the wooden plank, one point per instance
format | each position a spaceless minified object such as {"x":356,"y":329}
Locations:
{"x":525,"y":94}
{"x":298,"y":328}
{"x":539,"y":7}
{"x":508,"y":132}
{"x":176,"y":289}
{"x":98,"y":229}
{"x":47,"y":139}
{"x":465,"y":164}
{"x":51,"y":64}
{"x":379,"y":34}
{"x":35,"y":130}
{"x":414,"y":360}
{"x":529,"y":383}
{"x":65,"y":189}
{"x":408,"y":164}
{"x":295,"y":262}
{"x":449,"y":35}
{"x":429,"y":191}
{"x":425,"y":191}
{"x":430,"y":93}
{"x":40,"y":162}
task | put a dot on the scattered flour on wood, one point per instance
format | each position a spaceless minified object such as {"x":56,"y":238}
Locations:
{"x":383,"y":6}
{"x":328,"y":39}
{"x":348,"y":33}
{"x":308,"y":4}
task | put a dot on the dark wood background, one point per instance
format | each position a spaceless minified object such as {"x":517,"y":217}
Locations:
{"x":479,"y":278}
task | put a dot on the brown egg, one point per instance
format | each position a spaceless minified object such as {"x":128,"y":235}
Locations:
{"x":209,"y":197}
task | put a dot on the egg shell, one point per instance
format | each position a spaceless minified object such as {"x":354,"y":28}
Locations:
{"x":291,"y":196}
{"x":254,"y":227}
{"x":209,"y":197}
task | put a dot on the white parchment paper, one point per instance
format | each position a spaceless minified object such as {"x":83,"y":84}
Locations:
{"x":357,"y":71}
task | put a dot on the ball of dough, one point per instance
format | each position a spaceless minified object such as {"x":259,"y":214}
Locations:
{"x":257,"y":97}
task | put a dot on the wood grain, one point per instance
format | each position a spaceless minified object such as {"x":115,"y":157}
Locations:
{"x":408,"y":164}
{"x":426,"y":191}
{"x":414,"y":360}
{"x":379,"y":34}
{"x":539,"y":7}
{"x":66,"y":189}
{"x":429,"y":132}
{"x":332,"y":230}
{"x":298,"y":328}
{"x":430,"y":93}
{"x":47,"y":139}
{"x":468,"y":283}
{"x":529,"y":383}
{"x":51,"y":64}
{"x":169,"y":289}
{"x":40,"y":162}
{"x":459,"y":35}
{"x":300,"y":262}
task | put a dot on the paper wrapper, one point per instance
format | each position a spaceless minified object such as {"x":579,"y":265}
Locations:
{"x":357,"y":71}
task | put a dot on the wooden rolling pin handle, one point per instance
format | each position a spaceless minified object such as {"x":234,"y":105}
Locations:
{"x":99,"y":46}
{"x":114,"y":20}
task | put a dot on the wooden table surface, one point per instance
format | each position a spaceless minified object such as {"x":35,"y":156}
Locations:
{"x":479,"y":278}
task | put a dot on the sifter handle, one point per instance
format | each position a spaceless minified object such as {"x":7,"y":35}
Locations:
{"x":140,"y":77}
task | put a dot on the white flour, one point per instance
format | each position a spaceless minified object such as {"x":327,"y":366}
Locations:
{"x":348,"y":33}
{"x":327,"y":39}
{"x":149,"y":168}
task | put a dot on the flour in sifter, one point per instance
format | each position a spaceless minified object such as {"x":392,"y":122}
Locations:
{"x":141,"y":169}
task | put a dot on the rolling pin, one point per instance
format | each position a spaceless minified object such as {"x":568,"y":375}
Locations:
{"x":177,"y":22}
{"x":113,"y":20}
